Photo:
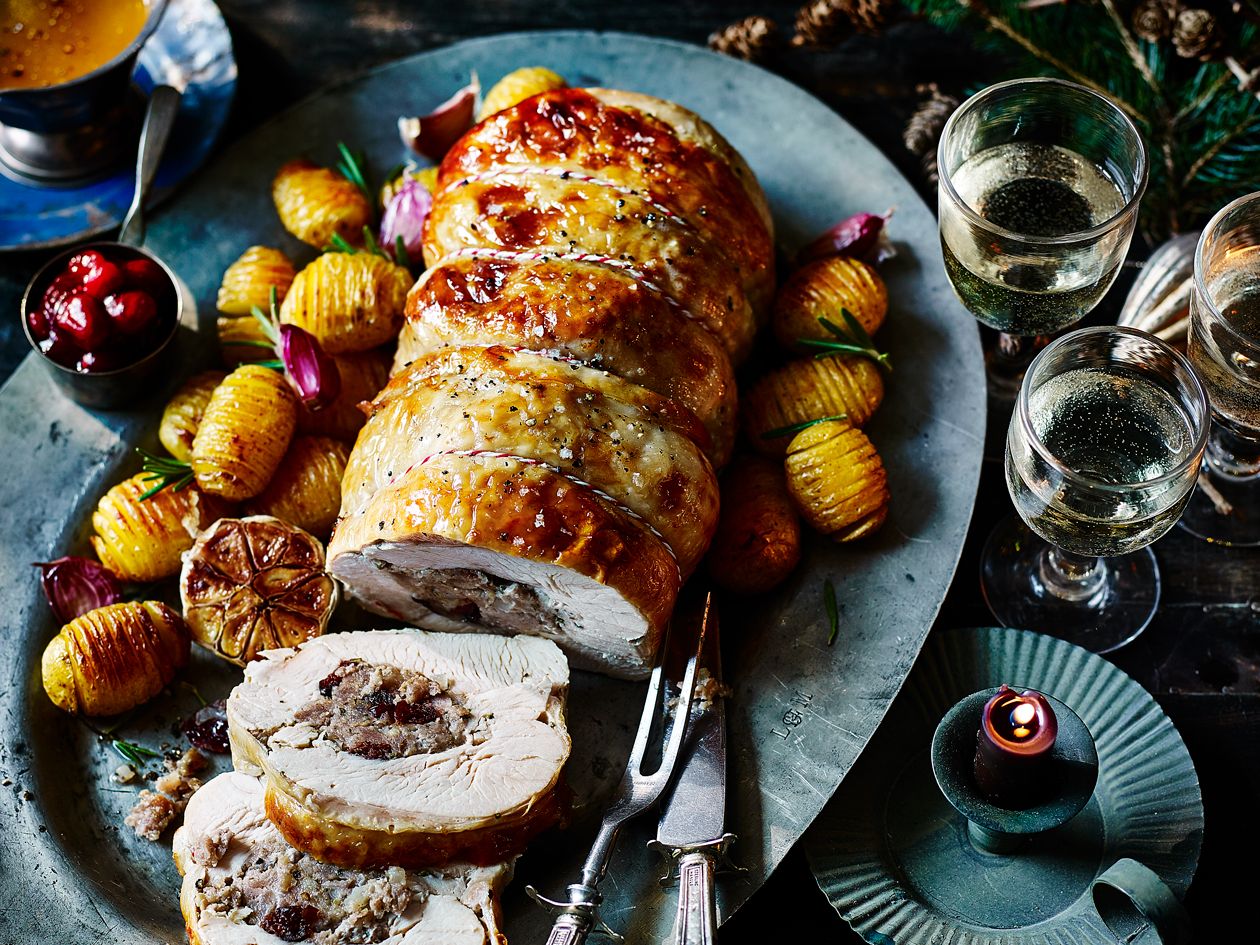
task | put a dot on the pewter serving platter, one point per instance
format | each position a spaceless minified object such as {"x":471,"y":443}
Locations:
{"x":801,"y":711}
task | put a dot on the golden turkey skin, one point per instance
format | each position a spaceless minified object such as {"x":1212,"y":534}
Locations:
{"x":543,"y":459}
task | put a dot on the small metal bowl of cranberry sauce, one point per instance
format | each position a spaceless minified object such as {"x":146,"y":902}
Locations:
{"x":102,"y":318}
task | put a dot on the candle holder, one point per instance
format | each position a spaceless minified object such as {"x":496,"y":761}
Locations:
{"x":1065,"y":778}
{"x":911,"y":850}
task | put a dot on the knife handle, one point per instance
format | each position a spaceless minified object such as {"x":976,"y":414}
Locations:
{"x":696,"y":922}
{"x":569,"y":930}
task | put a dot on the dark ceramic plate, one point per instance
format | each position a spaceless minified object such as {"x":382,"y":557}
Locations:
{"x":801,"y":712}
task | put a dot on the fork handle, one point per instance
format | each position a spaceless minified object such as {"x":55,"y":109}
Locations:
{"x":569,"y":930}
{"x":696,"y":922}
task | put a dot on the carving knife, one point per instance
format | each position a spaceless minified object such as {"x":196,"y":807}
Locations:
{"x":692,"y":830}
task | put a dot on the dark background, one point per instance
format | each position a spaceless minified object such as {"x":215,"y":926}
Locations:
{"x":1201,"y":657}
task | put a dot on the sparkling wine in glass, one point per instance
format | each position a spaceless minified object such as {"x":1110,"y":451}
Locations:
{"x":1102,"y":455}
{"x":1224,"y":346}
{"x":1039,"y":187}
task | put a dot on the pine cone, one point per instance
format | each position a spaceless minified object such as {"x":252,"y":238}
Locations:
{"x":749,"y":38}
{"x":923,"y":130}
{"x":1196,"y":34}
{"x":1153,"y":19}
{"x":827,"y":22}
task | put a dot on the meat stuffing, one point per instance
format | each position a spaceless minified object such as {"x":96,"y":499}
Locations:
{"x":381,"y":712}
{"x":405,"y":747}
{"x":156,"y":810}
{"x":480,"y":598}
{"x":243,"y":883}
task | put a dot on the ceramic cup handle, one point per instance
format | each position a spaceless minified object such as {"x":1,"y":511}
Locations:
{"x":1138,"y":907}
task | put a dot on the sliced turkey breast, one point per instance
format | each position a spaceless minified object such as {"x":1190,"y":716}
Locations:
{"x":603,"y":433}
{"x":654,"y":148}
{"x":244,"y":885}
{"x":503,"y":545}
{"x":404,"y":747}
{"x":613,"y":226}
{"x":593,"y":313}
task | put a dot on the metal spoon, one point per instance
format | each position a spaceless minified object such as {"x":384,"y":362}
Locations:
{"x":159,"y":119}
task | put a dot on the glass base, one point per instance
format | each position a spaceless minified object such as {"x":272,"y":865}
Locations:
{"x":1006,"y":362}
{"x":1105,"y":604}
{"x":1224,"y":510}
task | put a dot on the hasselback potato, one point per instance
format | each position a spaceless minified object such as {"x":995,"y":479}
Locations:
{"x":823,"y":288}
{"x":183,"y":413}
{"x":237,"y":337}
{"x":809,"y":389}
{"x":248,"y":282}
{"x":114,"y":658}
{"x":758,"y":537}
{"x":837,"y":480}
{"x":349,"y":301}
{"x":362,"y":377}
{"x":306,"y":489}
{"x":142,"y":539}
{"x":315,"y":204}
{"x":516,"y":87}
{"x":244,"y":433}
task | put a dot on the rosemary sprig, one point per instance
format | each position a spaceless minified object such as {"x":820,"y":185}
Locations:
{"x":351,"y":168}
{"x":166,"y":472}
{"x":794,"y":428}
{"x":338,"y":244}
{"x":833,"y":611}
{"x":269,"y":320}
{"x":134,"y":754}
{"x":853,"y":339}
{"x":195,"y":691}
{"x":401,"y":256}
{"x":370,"y":244}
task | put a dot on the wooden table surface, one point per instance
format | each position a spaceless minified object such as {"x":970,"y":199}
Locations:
{"x":1201,"y":657}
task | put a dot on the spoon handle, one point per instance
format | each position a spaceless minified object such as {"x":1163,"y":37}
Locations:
{"x":159,"y":118}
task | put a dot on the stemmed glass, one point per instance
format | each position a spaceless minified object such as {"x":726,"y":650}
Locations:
{"x":1102,"y":454}
{"x":1224,"y":347}
{"x":1039,"y":187}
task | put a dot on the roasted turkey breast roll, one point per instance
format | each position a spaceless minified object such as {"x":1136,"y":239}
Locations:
{"x":406,"y":748}
{"x":244,"y":885}
{"x":596,"y":314}
{"x":656,"y":150}
{"x":631,"y":446}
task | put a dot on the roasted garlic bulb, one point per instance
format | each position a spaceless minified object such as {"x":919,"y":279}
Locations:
{"x":516,"y":87}
{"x":254,"y":584}
{"x":362,"y":377}
{"x":183,"y":413}
{"x":837,"y":480}
{"x":114,"y":658}
{"x":821,"y":289}
{"x":809,"y":389}
{"x":348,"y":301}
{"x":306,"y":489}
{"x":248,"y":282}
{"x":244,"y":433}
{"x":315,"y":204}
{"x":758,"y":538}
{"x":237,"y":341}
{"x":142,"y":539}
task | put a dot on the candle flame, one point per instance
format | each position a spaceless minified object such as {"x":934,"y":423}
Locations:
{"x":1021,"y":716}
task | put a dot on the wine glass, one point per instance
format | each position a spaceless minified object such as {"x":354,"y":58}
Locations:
{"x":1039,"y":187}
{"x":1224,"y":347}
{"x":1102,"y":454}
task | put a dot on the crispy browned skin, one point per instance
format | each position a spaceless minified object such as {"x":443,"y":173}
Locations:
{"x":495,"y":504}
{"x":360,"y":848}
{"x":543,"y":212}
{"x":598,"y":315}
{"x":643,"y":143}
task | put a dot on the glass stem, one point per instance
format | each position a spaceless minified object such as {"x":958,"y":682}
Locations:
{"x":1071,"y":576}
{"x":1008,"y":361}
{"x":1232,"y":455}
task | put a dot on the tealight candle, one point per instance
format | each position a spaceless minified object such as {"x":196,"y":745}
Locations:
{"x":1017,"y":732}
